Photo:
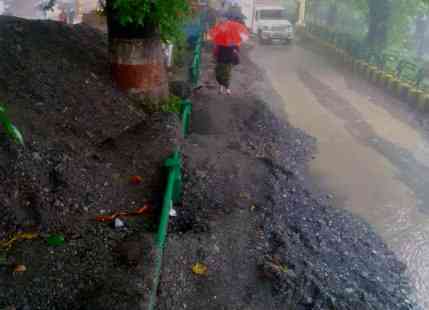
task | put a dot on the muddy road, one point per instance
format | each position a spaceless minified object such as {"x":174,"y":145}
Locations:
{"x":372,"y":154}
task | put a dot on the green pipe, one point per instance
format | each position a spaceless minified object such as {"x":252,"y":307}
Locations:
{"x":196,"y":61}
{"x":186,"y":114}
{"x":172,"y":194}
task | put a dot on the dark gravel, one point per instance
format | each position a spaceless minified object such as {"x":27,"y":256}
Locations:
{"x":250,"y":214}
{"x":84,"y":140}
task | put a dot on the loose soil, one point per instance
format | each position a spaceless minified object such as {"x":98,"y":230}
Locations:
{"x":250,"y":215}
{"x":83,"y":142}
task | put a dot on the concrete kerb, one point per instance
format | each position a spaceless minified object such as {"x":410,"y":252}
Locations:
{"x":423,"y":103}
{"x":413,"y":96}
{"x":403,"y":90}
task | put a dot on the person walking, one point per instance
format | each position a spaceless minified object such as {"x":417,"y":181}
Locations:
{"x":227,"y":37}
{"x":226,"y":58}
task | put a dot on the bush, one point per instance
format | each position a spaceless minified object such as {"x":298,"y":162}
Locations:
{"x":171,"y":104}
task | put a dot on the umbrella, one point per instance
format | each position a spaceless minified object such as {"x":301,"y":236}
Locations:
{"x":229,"y":33}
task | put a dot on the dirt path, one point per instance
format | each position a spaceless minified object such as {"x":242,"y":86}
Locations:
{"x":371,"y":153}
{"x":248,"y":214}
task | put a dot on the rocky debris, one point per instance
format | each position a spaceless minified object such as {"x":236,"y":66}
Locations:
{"x":118,"y":223}
{"x":84,"y":140}
{"x":247,"y":192}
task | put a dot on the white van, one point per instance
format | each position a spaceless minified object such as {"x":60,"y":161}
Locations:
{"x":271,"y":24}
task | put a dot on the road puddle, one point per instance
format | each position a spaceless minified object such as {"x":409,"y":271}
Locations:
{"x":376,"y":165}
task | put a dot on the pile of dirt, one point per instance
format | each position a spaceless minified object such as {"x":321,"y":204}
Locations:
{"x":250,"y":216}
{"x":83,"y":142}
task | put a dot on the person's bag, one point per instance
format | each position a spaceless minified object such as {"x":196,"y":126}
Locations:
{"x":216,"y":52}
{"x":235,"y":57}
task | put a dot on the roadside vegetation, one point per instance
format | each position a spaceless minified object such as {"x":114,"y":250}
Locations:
{"x":390,"y":34}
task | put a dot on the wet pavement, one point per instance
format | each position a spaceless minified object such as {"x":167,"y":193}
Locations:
{"x":370,"y":154}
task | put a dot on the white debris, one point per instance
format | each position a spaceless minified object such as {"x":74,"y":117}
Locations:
{"x":119,"y":223}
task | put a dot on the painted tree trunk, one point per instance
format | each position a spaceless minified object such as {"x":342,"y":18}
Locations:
{"x":136,"y":57}
{"x":137,"y":66}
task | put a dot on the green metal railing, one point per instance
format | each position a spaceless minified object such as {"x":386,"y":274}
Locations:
{"x":186,"y":110}
{"x":196,"y":63}
{"x":173,"y":194}
{"x":173,"y":190}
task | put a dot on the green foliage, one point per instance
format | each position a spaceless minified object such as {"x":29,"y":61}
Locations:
{"x":356,"y":16}
{"x":167,"y":15}
{"x":180,"y":52}
{"x":171,"y":104}
{"x":11,"y":131}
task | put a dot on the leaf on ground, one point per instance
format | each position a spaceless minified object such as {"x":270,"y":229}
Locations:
{"x":18,"y":236}
{"x":200,"y":269}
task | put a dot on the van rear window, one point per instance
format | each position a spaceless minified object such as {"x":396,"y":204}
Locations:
{"x":272,"y":14}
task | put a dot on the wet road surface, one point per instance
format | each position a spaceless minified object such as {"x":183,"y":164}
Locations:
{"x":370,"y":154}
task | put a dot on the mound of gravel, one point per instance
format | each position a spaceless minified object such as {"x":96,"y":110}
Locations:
{"x":83,"y":142}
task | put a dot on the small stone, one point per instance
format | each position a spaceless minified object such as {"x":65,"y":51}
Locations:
{"x":308,"y":300}
{"x":119,"y":223}
{"x":349,"y":290}
{"x":290,"y":273}
{"x":173,"y":212}
{"x":37,"y":156}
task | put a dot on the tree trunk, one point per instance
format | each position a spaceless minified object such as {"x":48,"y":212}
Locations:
{"x":378,"y":23}
{"x":420,"y":35}
{"x":313,"y":9}
{"x":332,"y":15}
{"x":136,"y":57}
{"x":316,"y":12}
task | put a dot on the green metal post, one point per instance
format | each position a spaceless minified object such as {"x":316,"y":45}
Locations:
{"x":174,"y":164}
{"x":186,"y":109}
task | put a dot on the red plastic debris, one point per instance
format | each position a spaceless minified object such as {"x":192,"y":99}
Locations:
{"x":136,"y":179}
{"x":109,"y":218}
